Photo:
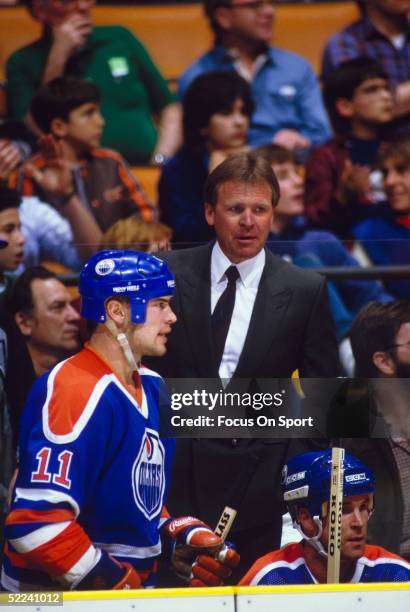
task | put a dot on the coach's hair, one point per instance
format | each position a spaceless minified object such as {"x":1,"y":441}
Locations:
{"x":210,"y":93}
{"x":276,"y":154}
{"x":9,"y":198}
{"x":20,"y":298}
{"x":375,"y":329}
{"x":243,"y":168}
{"x":398,"y":149}
{"x":343,"y":81}
{"x":59,"y":97}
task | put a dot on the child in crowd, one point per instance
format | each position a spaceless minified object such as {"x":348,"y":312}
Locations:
{"x":289,"y":238}
{"x":11,"y":238}
{"x":341,"y":187}
{"x":71,"y":164}
{"x":386,"y":238}
{"x":217,"y":110}
{"x":137,"y":235}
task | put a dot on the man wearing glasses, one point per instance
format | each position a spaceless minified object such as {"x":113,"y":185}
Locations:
{"x":289,"y":109}
{"x":133,"y":92}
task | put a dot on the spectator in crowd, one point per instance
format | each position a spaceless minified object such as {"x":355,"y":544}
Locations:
{"x":277,"y":320}
{"x":48,"y":235}
{"x":42,"y":309}
{"x":306,"y":491}
{"x":288,"y":104}
{"x":380,"y":338}
{"x":71,"y":165}
{"x":217,"y":108}
{"x":342,"y":185}
{"x":11,"y":255}
{"x":47,"y":332}
{"x":11,"y":239}
{"x":291,"y":239}
{"x":93,"y":422}
{"x":133,"y":92}
{"x":386,"y":238}
{"x":382,"y":34}
{"x":134,"y":233}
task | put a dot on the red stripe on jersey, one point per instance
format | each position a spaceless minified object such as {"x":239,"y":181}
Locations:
{"x":289,"y":554}
{"x":373,"y":553}
{"x":59,"y":555}
{"x":25,"y":515}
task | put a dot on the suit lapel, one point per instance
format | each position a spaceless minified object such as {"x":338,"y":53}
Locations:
{"x":195,"y":299}
{"x":270,"y":306}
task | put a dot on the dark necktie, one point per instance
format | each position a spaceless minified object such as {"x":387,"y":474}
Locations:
{"x":222,"y":314}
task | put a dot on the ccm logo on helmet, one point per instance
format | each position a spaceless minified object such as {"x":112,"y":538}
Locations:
{"x":295,"y":477}
{"x":354,"y":477}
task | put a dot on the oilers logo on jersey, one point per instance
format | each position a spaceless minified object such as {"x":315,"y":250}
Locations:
{"x":148,"y":479}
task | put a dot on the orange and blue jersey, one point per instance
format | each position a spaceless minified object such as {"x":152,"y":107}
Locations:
{"x":288,"y":566}
{"x":92,"y":477}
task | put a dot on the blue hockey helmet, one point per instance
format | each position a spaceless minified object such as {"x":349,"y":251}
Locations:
{"x":306,"y":480}
{"x":138,"y":276}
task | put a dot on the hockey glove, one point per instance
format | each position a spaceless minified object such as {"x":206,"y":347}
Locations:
{"x":109,"y":573}
{"x":192,"y":537}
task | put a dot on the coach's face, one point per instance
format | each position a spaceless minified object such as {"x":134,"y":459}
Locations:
{"x":242,"y":218}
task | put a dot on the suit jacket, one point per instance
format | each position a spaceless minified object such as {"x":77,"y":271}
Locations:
{"x":290,"y":328}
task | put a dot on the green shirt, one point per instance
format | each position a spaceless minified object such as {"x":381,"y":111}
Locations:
{"x":132,"y":88}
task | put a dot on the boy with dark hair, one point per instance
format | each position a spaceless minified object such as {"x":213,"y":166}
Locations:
{"x":340,"y":184}
{"x":135,"y":96}
{"x":71,"y":164}
{"x":386,"y":238}
{"x":381,"y":33}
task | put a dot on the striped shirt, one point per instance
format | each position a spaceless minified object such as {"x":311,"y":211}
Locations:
{"x":105,"y":184}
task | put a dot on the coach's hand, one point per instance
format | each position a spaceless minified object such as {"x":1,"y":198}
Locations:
{"x":193,"y":540}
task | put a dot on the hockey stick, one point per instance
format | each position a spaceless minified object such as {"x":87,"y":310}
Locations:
{"x":225,"y":522}
{"x":335,"y":516}
{"x":236,"y":497}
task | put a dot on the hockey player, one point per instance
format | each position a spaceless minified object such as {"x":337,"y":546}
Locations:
{"x":87,"y":510}
{"x":306,"y":488}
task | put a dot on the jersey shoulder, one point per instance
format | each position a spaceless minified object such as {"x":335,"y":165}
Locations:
{"x":74,"y":389}
{"x":288,"y":558}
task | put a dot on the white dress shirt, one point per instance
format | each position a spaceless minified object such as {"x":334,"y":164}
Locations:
{"x":250,"y":272}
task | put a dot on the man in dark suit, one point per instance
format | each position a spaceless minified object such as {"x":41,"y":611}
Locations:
{"x":278,"y":322}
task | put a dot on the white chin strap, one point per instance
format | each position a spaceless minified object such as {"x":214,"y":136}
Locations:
{"x":313,"y":540}
{"x":123,"y":342}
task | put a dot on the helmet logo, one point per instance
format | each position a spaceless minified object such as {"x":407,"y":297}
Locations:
{"x":355,"y":477}
{"x":104,"y":267}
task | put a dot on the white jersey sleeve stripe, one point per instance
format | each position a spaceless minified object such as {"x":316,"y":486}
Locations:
{"x":38,"y":537}
{"x":83,"y":566}
{"x":48,"y":495}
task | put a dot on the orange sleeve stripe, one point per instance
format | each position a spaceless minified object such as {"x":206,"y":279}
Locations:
{"x":59,"y":555}
{"x":19,"y":517}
